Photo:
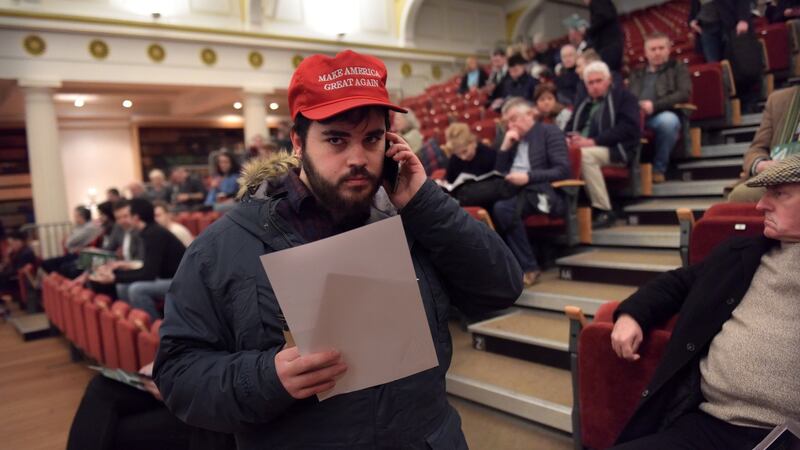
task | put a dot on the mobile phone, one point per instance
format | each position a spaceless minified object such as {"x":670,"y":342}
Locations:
{"x":391,"y":169}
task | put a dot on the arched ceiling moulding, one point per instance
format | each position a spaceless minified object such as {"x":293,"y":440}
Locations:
{"x":408,"y":20}
{"x":526,"y":19}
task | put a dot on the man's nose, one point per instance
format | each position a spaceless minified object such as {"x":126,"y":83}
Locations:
{"x":357,"y":156}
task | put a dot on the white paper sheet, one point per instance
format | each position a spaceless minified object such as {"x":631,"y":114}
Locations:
{"x":356,"y":292}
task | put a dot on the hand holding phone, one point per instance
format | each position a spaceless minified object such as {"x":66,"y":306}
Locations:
{"x":391,"y":169}
{"x":410,"y":171}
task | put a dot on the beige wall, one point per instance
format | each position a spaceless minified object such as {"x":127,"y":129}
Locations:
{"x":95,"y":155}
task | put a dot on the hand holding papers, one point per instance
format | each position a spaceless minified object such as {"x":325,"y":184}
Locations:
{"x":357,"y":293}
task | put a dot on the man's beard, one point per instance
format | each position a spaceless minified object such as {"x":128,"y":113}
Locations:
{"x":353,"y":210}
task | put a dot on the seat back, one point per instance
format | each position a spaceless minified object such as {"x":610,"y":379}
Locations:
{"x":485,"y":130}
{"x":733,"y":209}
{"x":148,"y":344}
{"x":776,"y":40}
{"x":108,"y":331}
{"x":70,"y":329}
{"x":708,"y":91}
{"x":78,"y":301}
{"x":91,"y":316}
{"x":709,"y":232}
{"x":128,"y":330}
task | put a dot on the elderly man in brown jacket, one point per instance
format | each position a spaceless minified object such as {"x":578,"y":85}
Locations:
{"x":776,"y":137}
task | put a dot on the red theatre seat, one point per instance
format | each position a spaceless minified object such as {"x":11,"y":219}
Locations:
{"x":708,"y":92}
{"x":70,"y":329}
{"x":610,"y":387}
{"x":128,"y":330}
{"x":485,"y":130}
{"x":91,"y":315}
{"x":776,"y":40}
{"x":77,"y":302}
{"x":108,"y":330}
{"x":148,"y":344}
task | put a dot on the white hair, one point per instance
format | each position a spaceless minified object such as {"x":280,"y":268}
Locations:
{"x":597,"y":67}
{"x":156,"y":173}
{"x":516,"y":103}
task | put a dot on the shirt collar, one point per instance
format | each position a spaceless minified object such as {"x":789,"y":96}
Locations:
{"x":296,"y":191}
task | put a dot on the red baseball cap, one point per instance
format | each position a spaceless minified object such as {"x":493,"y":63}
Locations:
{"x":322,"y":86}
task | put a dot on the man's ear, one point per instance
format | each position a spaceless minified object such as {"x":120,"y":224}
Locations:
{"x":297,"y":144}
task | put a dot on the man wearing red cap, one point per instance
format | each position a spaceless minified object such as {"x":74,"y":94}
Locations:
{"x":223,"y":361}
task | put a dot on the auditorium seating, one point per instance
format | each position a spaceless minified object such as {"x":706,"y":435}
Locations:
{"x":197,"y":221}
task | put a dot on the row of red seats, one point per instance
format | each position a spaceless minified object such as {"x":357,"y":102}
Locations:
{"x":197,"y":221}
{"x":110,"y":332}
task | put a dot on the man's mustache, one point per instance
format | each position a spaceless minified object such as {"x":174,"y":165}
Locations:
{"x":358,"y":172}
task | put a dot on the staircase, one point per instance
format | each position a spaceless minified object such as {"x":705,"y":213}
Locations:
{"x":518,"y":362}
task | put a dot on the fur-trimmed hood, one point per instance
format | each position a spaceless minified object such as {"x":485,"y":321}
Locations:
{"x":260,"y":175}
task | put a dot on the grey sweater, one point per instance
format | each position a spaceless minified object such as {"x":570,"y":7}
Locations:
{"x":751,"y":375}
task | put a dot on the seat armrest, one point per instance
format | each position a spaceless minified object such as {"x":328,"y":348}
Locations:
{"x":567,"y":183}
{"x":685,"y":106}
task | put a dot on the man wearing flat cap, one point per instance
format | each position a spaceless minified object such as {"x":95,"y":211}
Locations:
{"x":224,"y":362}
{"x":730,"y":371}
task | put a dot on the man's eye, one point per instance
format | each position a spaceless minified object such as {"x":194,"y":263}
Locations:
{"x":373,"y":139}
{"x":335,"y":141}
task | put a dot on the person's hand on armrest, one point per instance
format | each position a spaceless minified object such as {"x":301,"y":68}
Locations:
{"x":626,"y":337}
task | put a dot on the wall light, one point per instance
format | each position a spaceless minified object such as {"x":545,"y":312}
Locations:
{"x":79,"y":102}
{"x":273,"y":106}
{"x":127,"y":103}
{"x":237,"y":105}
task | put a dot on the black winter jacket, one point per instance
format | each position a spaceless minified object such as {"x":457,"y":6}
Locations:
{"x":704,"y":295}
{"x":222,"y":328}
{"x":547,"y":154}
{"x":618,"y":126}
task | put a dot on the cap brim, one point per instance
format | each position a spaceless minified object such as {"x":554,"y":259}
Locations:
{"x":324,"y":111}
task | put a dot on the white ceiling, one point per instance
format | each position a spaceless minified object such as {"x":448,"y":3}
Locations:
{"x":104,"y":101}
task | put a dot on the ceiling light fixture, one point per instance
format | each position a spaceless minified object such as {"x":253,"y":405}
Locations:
{"x":79,"y":102}
{"x":273,"y":106}
{"x":127,"y":103}
{"x":237,"y":105}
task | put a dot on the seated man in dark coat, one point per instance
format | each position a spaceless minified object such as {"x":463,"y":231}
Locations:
{"x":605,"y":125}
{"x":517,"y":83}
{"x":730,"y":371}
{"x":533,"y":155}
